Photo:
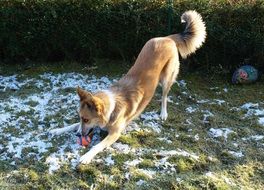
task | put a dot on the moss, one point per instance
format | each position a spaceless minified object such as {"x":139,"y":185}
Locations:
{"x":32,"y":103}
{"x":127,"y":139}
{"x":83,"y":185}
{"x":146,"y":138}
{"x":121,"y":158}
{"x":183,"y":165}
{"x":137,"y":175}
{"x":146,"y":163}
{"x":33,"y":176}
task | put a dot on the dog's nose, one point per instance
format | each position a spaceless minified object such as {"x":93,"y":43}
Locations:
{"x":78,"y":134}
{"x":85,"y":120}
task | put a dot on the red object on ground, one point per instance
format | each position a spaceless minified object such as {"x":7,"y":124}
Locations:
{"x":84,"y":140}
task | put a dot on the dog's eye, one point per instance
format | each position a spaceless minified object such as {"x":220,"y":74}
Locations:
{"x":89,"y":106}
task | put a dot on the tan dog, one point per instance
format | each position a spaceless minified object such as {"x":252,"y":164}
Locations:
{"x":158,"y":61}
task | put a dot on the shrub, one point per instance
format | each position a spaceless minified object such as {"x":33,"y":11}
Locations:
{"x":55,"y":30}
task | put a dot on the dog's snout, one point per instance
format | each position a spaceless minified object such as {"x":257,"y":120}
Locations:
{"x":78,"y":134}
{"x":85,"y":120}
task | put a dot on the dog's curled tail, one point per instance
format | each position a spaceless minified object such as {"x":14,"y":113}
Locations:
{"x":193,"y":36}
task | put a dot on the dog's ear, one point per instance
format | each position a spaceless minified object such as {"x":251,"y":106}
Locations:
{"x":83,"y":94}
{"x":99,"y":107}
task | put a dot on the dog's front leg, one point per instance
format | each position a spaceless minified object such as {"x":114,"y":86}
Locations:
{"x":60,"y":131}
{"x":108,"y":141}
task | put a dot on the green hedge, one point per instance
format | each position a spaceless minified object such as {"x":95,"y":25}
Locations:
{"x":55,"y":30}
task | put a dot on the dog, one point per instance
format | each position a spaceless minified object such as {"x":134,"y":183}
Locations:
{"x":158,"y":62}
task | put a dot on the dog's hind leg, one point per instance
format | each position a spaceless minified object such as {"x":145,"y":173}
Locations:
{"x":59,"y":131}
{"x":167,"y":78}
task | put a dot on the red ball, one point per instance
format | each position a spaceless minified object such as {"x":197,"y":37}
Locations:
{"x":84,"y":140}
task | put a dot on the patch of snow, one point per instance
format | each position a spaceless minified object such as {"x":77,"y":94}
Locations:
{"x":235,"y":144}
{"x":150,"y":119}
{"x":140,"y":182}
{"x":225,"y":90}
{"x":202,"y":101}
{"x":150,"y":116}
{"x":164,"y":164}
{"x":221,"y":132}
{"x":227,"y":180}
{"x":133,"y":162}
{"x":9,"y":82}
{"x":250,"y":105}
{"x":169,"y":99}
{"x":253,"y":109}
{"x":124,"y":148}
{"x":178,"y":152}
{"x":165,"y":139}
{"x":148,"y":173}
{"x":190,"y":109}
{"x":236,"y":154}
{"x":178,"y":179}
{"x":5,"y":117}
{"x":181,"y":83}
{"x":196,"y":137}
{"x":261,"y":120}
{"x":127,"y":175}
{"x":254,"y":137}
{"x":53,"y":162}
{"x":207,"y":114}
{"x":219,"y":102}
{"x":188,"y":122}
{"x":210,"y":174}
{"x":109,"y":161}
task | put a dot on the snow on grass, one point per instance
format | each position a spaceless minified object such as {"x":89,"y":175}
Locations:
{"x":217,"y":177}
{"x":181,"y":83}
{"x":109,"y":161}
{"x":148,"y":173}
{"x":9,"y":83}
{"x":5,"y":117}
{"x":165,"y":139}
{"x":190,"y":109}
{"x":53,"y":162}
{"x":206,"y":115}
{"x":221,"y":132}
{"x":254,"y":137}
{"x":178,"y":152}
{"x":124,"y":148}
{"x":133,"y":162}
{"x":202,"y":101}
{"x":151,"y":119}
{"x":53,"y":102}
{"x":140,"y":182}
{"x":28,"y":118}
{"x":252,"y":109}
{"x":261,"y":121}
{"x":236,"y":154}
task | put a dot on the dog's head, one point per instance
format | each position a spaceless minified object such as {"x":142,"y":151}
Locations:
{"x":91,"y":111}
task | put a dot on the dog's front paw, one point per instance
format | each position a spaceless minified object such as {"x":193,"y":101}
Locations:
{"x":85,"y":159}
{"x":163,"y":115}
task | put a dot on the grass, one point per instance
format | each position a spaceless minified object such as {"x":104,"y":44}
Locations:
{"x":215,"y":168}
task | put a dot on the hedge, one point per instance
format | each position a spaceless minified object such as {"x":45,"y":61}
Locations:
{"x":80,"y":30}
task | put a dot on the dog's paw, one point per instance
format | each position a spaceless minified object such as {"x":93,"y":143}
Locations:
{"x":163,"y":115}
{"x":85,"y":159}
